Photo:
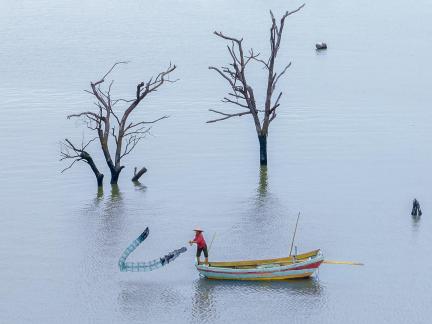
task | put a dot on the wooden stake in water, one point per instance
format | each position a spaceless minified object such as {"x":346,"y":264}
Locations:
{"x":295,"y":230}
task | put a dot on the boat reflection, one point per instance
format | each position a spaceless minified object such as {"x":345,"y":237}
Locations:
{"x":207,"y":288}
{"x":211,"y":296}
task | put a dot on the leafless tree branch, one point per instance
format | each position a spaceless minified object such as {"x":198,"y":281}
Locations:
{"x":126,"y":134}
{"x":226,"y":115}
{"x":227,"y":100}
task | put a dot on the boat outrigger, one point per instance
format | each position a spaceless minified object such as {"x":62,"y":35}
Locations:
{"x":292,"y":267}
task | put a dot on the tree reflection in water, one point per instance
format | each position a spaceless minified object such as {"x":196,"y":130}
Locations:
{"x":139,"y":186}
{"x":263,"y":182}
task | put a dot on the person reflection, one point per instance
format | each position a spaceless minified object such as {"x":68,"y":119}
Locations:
{"x":203,"y":305}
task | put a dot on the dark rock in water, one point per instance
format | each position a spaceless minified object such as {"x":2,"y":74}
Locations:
{"x":416,"y":210}
{"x":321,"y":46}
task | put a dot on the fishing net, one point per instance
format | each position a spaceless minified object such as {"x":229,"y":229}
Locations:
{"x":149,"y":265}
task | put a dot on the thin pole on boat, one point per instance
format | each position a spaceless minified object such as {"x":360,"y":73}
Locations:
{"x":295,"y":230}
{"x":211,"y":243}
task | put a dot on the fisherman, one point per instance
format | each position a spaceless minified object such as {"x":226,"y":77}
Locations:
{"x":201,"y":245}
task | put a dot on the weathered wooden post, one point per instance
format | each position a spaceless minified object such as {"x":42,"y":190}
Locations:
{"x":138,"y":174}
{"x":416,"y":210}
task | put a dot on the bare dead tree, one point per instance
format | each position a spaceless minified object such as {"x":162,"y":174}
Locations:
{"x":76,"y":154}
{"x":241,"y":93}
{"x":107,"y":123}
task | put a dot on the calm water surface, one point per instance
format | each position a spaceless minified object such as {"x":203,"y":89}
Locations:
{"x":350,"y":149}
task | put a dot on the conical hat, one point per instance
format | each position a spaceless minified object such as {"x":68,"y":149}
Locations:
{"x":198,"y":229}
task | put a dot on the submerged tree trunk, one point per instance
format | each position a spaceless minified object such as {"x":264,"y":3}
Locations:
{"x":263,"y":149}
{"x":115,"y":173}
{"x":138,"y":174}
{"x":114,"y":177}
{"x":99,"y":179}
{"x":99,"y":176}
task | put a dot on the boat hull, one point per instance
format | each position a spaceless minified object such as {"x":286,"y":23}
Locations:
{"x":265,"y":271}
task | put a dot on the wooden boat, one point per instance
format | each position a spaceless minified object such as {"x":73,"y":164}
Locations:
{"x":298,"y":266}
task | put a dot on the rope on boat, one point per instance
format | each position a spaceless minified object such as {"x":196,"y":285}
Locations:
{"x":149,"y":265}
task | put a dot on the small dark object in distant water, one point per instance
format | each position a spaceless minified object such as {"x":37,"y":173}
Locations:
{"x":416,"y":211}
{"x":321,"y":46}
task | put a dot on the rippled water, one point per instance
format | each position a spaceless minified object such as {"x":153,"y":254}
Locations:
{"x":350,"y":149}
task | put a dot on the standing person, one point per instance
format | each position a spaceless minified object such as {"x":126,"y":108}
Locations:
{"x":201,"y":245}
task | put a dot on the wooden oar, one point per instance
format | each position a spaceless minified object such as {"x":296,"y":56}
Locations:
{"x":343,"y":262}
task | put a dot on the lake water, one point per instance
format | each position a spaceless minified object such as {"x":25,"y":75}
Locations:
{"x":350,"y":149}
